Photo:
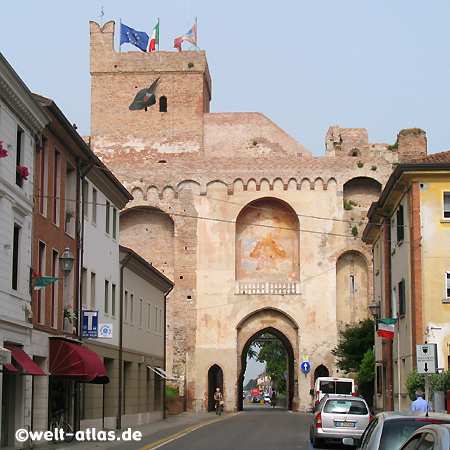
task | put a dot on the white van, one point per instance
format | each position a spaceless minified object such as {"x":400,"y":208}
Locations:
{"x":332,"y":385}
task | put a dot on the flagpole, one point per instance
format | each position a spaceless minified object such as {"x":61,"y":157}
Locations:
{"x":120,"y":38}
{"x":158,"y":34}
{"x":196,"y":33}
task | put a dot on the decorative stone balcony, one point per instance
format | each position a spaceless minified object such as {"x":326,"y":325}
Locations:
{"x":268,"y":288}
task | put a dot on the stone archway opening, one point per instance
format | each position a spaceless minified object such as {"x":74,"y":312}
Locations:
{"x":215,"y":380}
{"x":290,"y":362}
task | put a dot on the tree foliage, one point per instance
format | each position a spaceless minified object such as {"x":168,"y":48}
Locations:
{"x":273,"y":353}
{"x":251,"y":384}
{"x":354,"y":341}
{"x":366,"y":372}
{"x":415,"y":381}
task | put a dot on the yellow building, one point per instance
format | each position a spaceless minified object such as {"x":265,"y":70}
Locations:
{"x":409,"y":228}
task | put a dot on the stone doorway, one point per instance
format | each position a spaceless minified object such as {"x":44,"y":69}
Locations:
{"x":280,"y":325}
{"x":215,"y":380}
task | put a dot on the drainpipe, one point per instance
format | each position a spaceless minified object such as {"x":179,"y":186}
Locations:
{"x":165,"y":351}
{"x":119,"y":411}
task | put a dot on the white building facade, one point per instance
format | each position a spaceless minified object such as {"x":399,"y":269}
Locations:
{"x":21,"y":122}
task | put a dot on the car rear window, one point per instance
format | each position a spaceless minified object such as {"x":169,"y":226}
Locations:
{"x":396,"y":432}
{"x":346,"y":407}
{"x":342,"y":387}
{"x":336,"y":387}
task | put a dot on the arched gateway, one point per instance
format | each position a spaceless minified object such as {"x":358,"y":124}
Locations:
{"x":279,"y":324}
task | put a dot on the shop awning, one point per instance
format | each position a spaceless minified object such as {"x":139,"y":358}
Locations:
{"x":69,"y":361}
{"x":162,"y":373}
{"x":23,"y":360}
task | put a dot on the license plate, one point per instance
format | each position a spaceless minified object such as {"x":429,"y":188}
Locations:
{"x":345,"y":424}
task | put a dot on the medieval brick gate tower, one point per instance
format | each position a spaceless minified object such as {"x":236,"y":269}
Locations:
{"x":258,"y":235}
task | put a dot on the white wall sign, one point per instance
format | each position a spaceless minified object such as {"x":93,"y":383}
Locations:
{"x":426,"y":358}
{"x":105,"y":330}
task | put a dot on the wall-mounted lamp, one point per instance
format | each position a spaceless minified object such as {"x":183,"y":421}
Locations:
{"x":374,"y":309}
{"x":66,"y":261}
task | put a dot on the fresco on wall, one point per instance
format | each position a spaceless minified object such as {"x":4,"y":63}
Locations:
{"x":267,"y":243}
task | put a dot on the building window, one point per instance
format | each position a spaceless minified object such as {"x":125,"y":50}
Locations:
{"x":56,"y":187}
{"x":85,"y":200}
{"x":447,"y":280}
{"x":84,"y":273}
{"x":141,"y":311}
{"x":400,"y":224}
{"x":19,"y":156}
{"x":352,"y":284}
{"x":379,"y":379}
{"x":149,"y":317}
{"x":113,"y":300}
{"x":54,"y":291}
{"x":15,"y":257}
{"x":92,"y":290}
{"x":446,"y":205}
{"x":106,"y":296}
{"x":162,"y":104}
{"x":43,"y":177}
{"x":41,"y":292}
{"x":108,"y":207}
{"x":94,"y":206}
{"x":114,"y":222}
{"x":131,"y":309}
{"x":125,"y":307}
{"x":401,"y":298}
{"x":70,"y":199}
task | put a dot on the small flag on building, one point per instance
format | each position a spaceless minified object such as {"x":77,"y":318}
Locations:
{"x":190,"y":36}
{"x":137,"y":38}
{"x":386,"y":328}
{"x":154,"y":41}
{"x":40,"y":281}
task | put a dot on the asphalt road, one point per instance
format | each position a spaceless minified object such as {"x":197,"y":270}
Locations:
{"x":257,"y":427}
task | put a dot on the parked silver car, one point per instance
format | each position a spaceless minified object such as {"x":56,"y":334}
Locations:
{"x":434,"y":436}
{"x":389,"y":430}
{"x":338,"y":416}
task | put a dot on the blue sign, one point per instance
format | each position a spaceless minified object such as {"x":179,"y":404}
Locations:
{"x":305,"y":366}
{"x":90,"y":324}
{"x":285,"y":375}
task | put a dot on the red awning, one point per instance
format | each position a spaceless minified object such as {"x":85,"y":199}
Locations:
{"x":69,"y":361}
{"x":24,"y":360}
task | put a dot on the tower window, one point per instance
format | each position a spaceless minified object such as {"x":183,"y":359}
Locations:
{"x":162,"y":104}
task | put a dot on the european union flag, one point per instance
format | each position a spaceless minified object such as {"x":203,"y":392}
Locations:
{"x":137,"y":38}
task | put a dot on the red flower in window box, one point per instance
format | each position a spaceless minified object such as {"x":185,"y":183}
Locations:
{"x":22,"y":172}
{"x":3,"y":152}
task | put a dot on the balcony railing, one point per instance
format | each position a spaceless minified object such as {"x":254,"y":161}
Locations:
{"x":268,"y":287}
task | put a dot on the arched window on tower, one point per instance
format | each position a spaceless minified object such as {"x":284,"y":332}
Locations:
{"x":162,"y":104}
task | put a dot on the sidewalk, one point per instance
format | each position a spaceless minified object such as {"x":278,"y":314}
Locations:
{"x":151,"y":432}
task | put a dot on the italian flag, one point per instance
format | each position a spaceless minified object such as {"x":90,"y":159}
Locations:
{"x":386,"y":328}
{"x":40,"y":282}
{"x":155,"y":39}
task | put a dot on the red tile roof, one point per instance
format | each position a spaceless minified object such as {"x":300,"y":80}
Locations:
{"x":443,"y":157}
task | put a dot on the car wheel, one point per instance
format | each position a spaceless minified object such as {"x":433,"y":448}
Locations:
{"x":316,"y":443}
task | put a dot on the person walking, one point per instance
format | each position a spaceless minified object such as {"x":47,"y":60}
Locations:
{"x":218,"y":401}
{"x":420,"y":404}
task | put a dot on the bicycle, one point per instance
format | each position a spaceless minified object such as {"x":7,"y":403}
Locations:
{"x":61,"y":430}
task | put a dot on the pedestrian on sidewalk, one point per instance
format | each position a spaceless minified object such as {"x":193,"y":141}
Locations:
{"x":420,"y":404}
{"x":218,"y":401}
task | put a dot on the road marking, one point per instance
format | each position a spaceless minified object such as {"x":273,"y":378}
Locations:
{"x":182,"y":433}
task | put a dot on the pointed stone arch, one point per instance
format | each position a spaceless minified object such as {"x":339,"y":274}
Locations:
{"x":279,"y":324}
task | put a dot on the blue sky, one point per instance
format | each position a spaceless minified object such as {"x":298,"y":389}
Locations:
{"x":383,"y":65}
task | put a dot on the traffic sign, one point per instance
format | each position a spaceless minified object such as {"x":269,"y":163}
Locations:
{"x":426,"y":355}
{"x":305,"y":358}
{"x":305,"y":366}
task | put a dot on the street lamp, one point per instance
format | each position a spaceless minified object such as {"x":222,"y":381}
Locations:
{"x":66,"y":261}
{"x":374,"y":309}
